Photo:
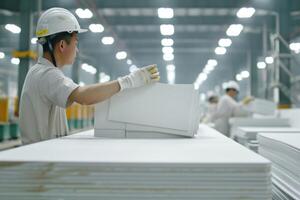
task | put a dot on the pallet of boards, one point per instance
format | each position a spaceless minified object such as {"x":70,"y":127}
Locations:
{"x":155,"y":111}
{"x":283,"y":149}
{"x":81,"y":166}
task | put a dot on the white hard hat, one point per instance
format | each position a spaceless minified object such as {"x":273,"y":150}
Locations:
{"x":57,"y":20}
{"x":232,"y":85}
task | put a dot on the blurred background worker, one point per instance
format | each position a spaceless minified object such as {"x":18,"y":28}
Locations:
{"x":229,"y":107}
{"x":211,"y":107}
{"x":47,"y":91}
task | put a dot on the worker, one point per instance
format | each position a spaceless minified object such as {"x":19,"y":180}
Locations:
{"x":228,"y":107}
{"x":211,"y":107}
{"x":47,"y":92}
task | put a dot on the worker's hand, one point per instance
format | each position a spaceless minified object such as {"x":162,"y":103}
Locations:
{"x":247,"y":100}
{"x":140,"y":77}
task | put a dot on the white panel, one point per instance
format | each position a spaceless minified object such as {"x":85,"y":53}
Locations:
{"x":159,"y":105}
{"x":262,"y":106}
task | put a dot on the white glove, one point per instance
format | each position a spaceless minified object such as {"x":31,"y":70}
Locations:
{"x":140,"y":77}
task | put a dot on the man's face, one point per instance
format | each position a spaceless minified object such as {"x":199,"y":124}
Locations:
{"x":71,"y":50}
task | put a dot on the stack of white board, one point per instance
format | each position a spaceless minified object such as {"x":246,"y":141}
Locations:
{"x":77,"y":167}
{"x":262,"y":106}
{"x":155,"y":111}
{"x":284,"y":152}
{"x":247,"y":136}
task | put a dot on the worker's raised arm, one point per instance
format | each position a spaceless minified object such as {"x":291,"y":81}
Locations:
{"x":95,"y":93}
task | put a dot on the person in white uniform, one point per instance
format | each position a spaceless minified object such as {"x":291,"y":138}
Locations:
{"x":228,"y":107}
{"x":211,"y":107}
{"x":47,"y":91}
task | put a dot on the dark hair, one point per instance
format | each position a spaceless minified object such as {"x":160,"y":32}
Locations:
{"x":228,"y":89}
{"x":54,"y":39}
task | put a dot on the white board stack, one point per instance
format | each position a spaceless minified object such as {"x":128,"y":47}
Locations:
{"x":247,"y":136}
{"x":284,"y":152}
{"x":155,"y":111}
{"x":208,"y":166}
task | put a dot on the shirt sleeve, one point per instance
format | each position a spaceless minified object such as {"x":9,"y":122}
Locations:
{"x":56,"y":87}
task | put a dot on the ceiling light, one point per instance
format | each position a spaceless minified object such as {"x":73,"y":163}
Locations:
{"x":245,"y":74}
{"x":167,"y":50}
{"x":13,"y":28}
{"x":212,"y":62}
{"x":103,"y":77}
{"x":209,"y":68}
{"x":167,"y":42}
{"x":225,"y":42}
{"x":107,"y":40}
{"x":168,"y":57}
{"x":165,"y":13}
{"x":81,"y":83}
{"x":238,"y":77}
{"x":220,"y":50}
{"x":133,"y":68}
{"x":261,"y":65}
{"x":295,"y":46}
{"x":84,"y":13}
{"x":96,"y":28}
{"x":202,"y":77}
{"x":245,"y":12}
{"x":34,"y":40}
{"x":171,"y":77}
{"x":15,"y":61}
{"x":2,"y":55}
{"x":170,"y":67}
{"x":89,"y":68}
{"x":234,"y":30}
{"x":269,"y":59}
{"x":129,"y":62}
{"x":121,"y":55}
{"x":167,"y":29}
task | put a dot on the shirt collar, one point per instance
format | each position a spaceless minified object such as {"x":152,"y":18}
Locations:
{"x":44,"y":61}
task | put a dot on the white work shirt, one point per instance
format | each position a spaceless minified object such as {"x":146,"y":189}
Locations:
{"x":43,"y":101}
{"x":226,"y":109}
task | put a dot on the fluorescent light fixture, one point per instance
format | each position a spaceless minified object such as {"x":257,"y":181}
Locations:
{"x":108,"y":40}
{"x":245,"y":74}
{"x":84,"y":13}
{"x":34,"y":40}
{"x":171,"y":77}
{"x":167,"y":42}
{"x":121,"y":55}
{"x":238,"y":77}
{"x":129,"y":62}
{"x":13,"y":28}
{"x":15,"y":61}
{"x":2,"y":55}
{"x":212,"y":62}
{"x":196,"y":86}
{"x":269,"y":59}
{"x":96,"y":28}
{"x":220,"y":50}
{"x":209,"y":68}
{"x":81,"y":83}
{"x":261,"y":65}
{"x":295,"y":46}
{"x":165,"y":13}
{"x":234,"y":30}
{"x":133,"y":68}
{"x":167,"y":29}
{"x":168,"y":57}
{"x":103,"y":77}
{"x":170,"y":68}
{"x":245,"y":12}
{"x":225,"y":42}
{"x":206,"y":71}
{"x":89,"y":68}
{"x":167,"y":50}
{"x":202,"y":77}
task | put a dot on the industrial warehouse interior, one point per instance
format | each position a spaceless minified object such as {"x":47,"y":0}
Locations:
{"x":149,"y":99}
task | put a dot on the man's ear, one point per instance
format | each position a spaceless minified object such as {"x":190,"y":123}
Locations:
{"x":62,"y":45}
